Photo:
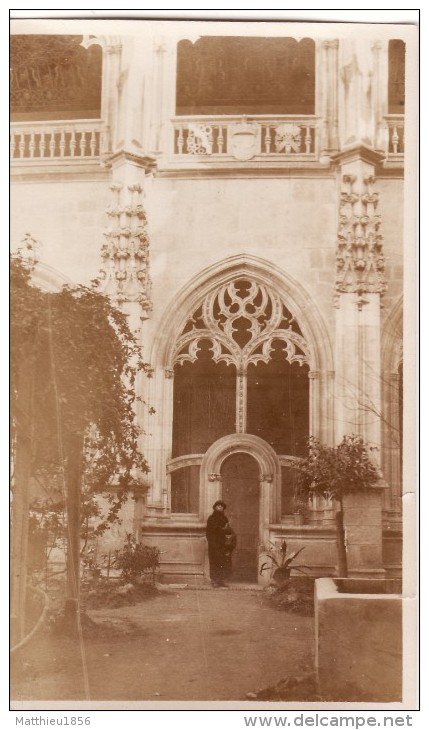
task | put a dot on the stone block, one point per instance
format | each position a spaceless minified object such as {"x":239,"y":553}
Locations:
{"x":363,"y":534}
{"x":358,"y":643}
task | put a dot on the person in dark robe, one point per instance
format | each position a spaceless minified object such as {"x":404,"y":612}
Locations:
{"x":217,"y":527}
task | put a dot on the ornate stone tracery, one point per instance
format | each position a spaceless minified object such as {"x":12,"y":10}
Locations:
{"x":241,"y":319}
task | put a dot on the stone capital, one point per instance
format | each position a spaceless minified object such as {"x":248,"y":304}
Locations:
{"x":145,"y":162}
{"x":358,"y":153}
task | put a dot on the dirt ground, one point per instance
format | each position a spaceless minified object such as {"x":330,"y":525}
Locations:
{"x":182,"y":645}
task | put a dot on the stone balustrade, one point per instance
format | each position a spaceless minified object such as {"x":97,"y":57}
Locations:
{"x":48,"y":141}
{"x":243,"y":138}
{"x":395,"y":140}
{"x":197,"y":138}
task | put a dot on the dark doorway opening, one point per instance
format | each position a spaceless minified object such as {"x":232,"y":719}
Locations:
{"x":240,"y":491}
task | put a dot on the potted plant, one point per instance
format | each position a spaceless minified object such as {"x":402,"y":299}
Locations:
{"x":335,"y":471}
{"x":280,"y":562}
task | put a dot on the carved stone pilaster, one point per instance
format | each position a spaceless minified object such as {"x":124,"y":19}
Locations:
{"x":124,"y":274}
{"x":360,"y":258}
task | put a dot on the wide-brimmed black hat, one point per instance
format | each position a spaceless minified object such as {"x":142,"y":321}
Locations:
{"x":219,"y":501}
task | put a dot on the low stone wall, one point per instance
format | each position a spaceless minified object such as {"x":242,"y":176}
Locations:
{"x":359,"y":639}
{"x":183,"y":550}
{"x":184,"y":555}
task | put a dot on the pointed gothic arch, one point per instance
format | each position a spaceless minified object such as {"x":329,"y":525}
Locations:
{"x":313,"y":334}
{"x":264,"y":272}
{"x":309,"y":341}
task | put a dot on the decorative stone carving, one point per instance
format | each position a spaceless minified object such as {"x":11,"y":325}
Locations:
{"x":288,"y":138}
{"x":125,"y":253}
{"x":241,"y":320}
{"x":243,"y":140}
{"x":200,"y":139}
{"x":266,"y":478}
{"x":360,"y":258}
{"x":214,"y":477}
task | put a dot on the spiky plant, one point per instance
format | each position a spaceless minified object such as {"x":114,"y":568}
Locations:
{"x":281,"y":561}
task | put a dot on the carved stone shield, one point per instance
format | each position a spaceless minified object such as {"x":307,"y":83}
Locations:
{"x":244,"y":140}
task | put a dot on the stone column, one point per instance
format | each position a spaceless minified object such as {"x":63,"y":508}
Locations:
{"x":330,"y":97}
{"x":125,"y":274}
{"x":359,"y":286}
{"x":392,"y":456}
{"x":112,"y":53}
{"x":379,"y":86}
{"x":314,"y":397}
{"x":161,"y":82}
{"x":157,"y":442}
{"x":355,"y":91}
{"x":241,"y":401}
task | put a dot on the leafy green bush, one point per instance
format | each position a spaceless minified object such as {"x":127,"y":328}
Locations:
{"x":336,"y":470}
{"x":136,"y":559}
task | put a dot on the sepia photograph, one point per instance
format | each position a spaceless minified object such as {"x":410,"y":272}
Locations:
{"x":212,"y":280}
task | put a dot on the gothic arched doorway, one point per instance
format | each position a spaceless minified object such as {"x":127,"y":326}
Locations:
{"x":241,"y":492}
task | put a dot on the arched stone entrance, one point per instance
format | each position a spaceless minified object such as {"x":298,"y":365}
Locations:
{"x":232,"y":466}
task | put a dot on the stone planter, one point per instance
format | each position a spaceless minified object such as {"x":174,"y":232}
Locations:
{"x":359,"y":639}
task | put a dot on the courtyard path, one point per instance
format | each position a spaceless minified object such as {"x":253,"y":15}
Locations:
{"x":182,"y":645}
